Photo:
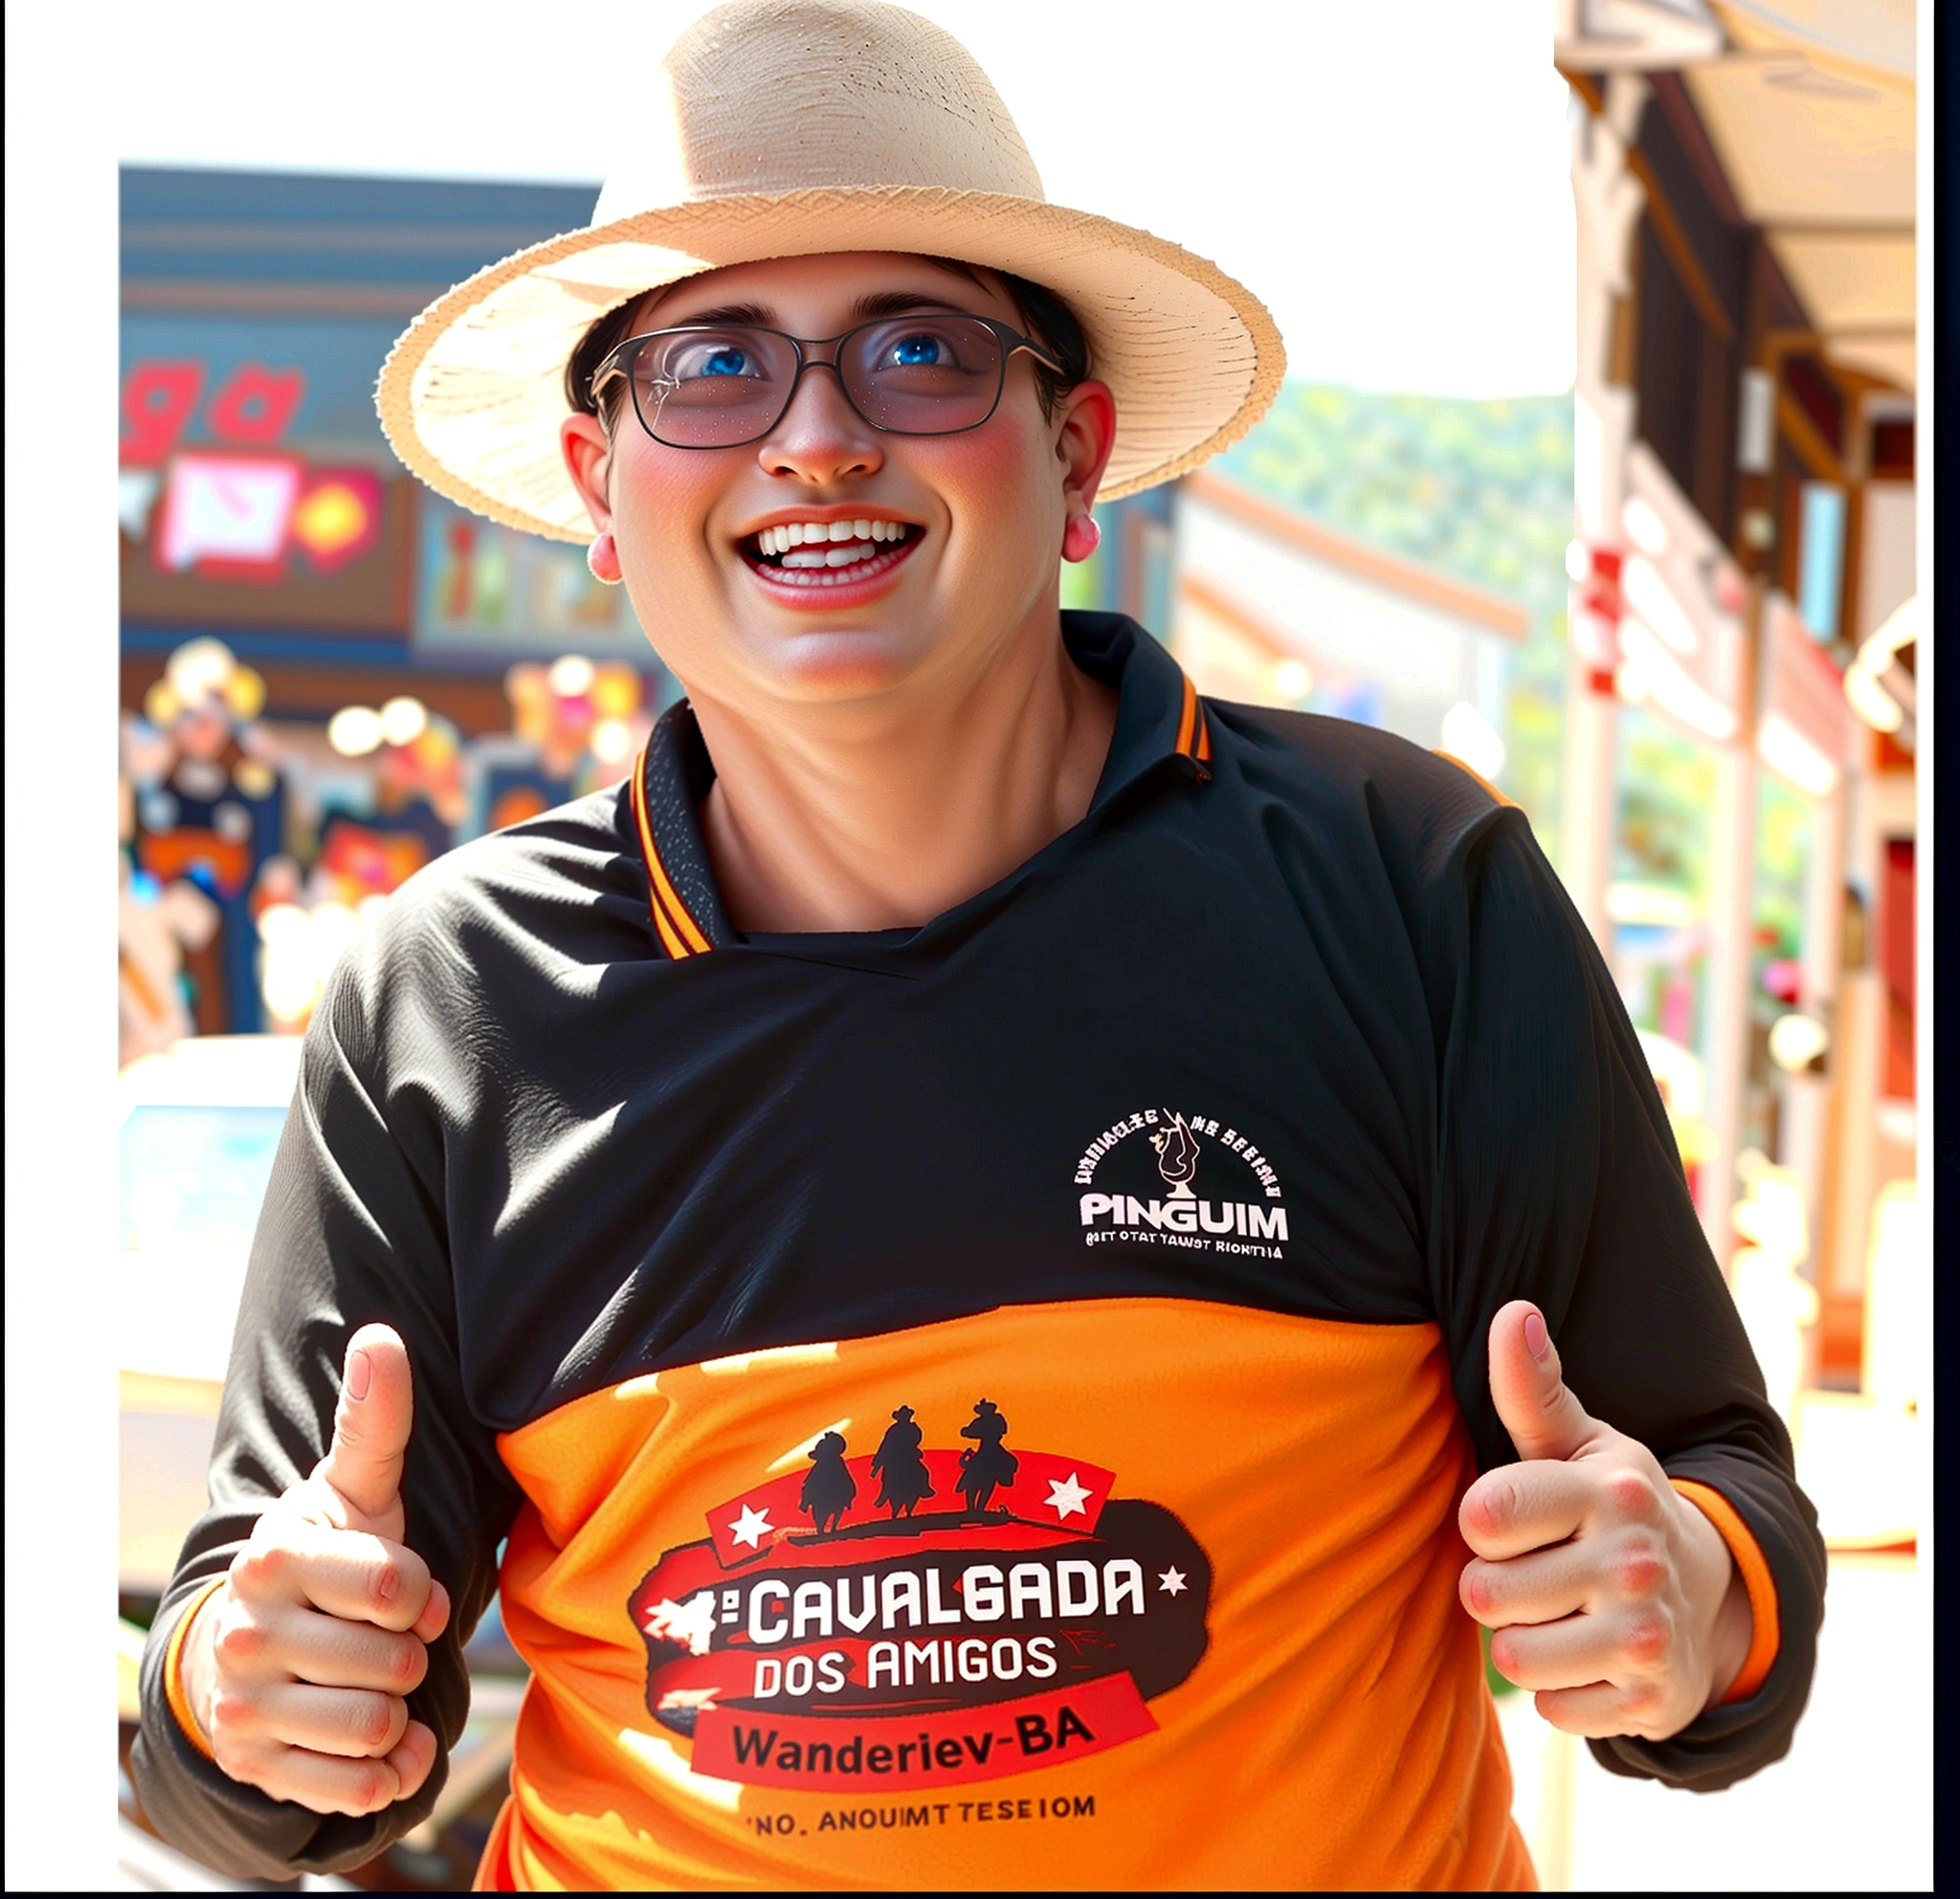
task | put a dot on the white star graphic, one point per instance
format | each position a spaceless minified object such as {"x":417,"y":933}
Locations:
{"x":1171,"y":1582}
{"x":1068,"y":1498}
{"x":752,"y":1527}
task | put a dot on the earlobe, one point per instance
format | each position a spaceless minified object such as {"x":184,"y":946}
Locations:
{"x":603,"y":558}
{"x":1081,"y":537}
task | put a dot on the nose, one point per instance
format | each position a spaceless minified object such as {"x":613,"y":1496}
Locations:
{"x":820,"y":439}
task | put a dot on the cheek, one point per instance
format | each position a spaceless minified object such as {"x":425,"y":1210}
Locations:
{"x":997,"y":482}
{"x":661,"y":502}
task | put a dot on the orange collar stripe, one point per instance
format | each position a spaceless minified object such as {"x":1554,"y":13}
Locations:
{"x":678,"y":929}
{"x":1188,"y":722}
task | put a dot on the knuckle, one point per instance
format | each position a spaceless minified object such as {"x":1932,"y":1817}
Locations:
{"x":259,"y":1566}
{"x":1649,"y":1637}
{"x":1640,"y":1571}
{"x":408,"y":1664}
{"x":372,"y":1718}
{"x":1492,"y":1504}
{"x":237,"y":1760}
{"x":238,"y":1638}
{"x":232,"y":1717}
{"x":374,"y":1786}
{"x":1633,"y":1495}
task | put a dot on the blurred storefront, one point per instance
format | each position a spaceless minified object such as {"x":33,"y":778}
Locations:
{"x":1741,"y":736}
{"x":328,"y":674}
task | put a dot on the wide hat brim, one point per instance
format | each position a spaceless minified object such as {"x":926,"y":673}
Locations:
{"x":473,"y":395}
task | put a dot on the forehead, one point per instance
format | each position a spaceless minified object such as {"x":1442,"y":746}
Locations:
{"x":826,"y":288}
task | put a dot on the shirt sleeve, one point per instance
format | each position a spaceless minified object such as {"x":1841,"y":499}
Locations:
{"x":1558,"y":1180}
{"x":353,"y":1229}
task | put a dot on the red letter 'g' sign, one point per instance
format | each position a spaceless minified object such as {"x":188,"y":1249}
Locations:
{"x":157,"y":401}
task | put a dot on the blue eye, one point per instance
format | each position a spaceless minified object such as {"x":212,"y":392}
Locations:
{"x":725,"y":363}
{"x":913,"y":352}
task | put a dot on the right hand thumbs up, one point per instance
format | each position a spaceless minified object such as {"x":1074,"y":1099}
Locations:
{"x":300,"y":1666}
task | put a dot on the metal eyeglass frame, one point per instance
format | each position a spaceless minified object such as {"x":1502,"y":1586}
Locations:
{"x":619,"y":360}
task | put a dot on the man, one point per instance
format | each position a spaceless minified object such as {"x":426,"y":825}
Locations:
{"x":818,"y":1077}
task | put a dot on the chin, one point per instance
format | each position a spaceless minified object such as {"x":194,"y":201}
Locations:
{"x":842,"y":663}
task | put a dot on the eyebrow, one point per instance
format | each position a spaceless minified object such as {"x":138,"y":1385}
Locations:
{"x":874,"y":304}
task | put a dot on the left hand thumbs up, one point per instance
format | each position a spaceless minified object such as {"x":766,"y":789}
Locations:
{"x":1604,"y":1588}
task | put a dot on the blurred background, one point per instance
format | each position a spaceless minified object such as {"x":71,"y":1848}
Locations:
{"x":1596,"y":470}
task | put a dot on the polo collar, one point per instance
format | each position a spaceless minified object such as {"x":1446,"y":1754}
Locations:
{"x":1159,"y":716}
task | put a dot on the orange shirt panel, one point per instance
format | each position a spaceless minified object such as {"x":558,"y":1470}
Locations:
{"x":1126,"y":1593}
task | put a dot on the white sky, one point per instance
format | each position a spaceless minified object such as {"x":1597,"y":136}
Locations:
{"x":1390,"y":175}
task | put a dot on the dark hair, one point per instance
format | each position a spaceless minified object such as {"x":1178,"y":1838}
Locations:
{"x":1045,"y":316}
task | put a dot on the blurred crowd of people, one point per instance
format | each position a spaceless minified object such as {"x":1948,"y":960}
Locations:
{"x":250,"y":848}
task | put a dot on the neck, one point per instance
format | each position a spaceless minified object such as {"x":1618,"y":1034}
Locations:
{"x":880,"y":815}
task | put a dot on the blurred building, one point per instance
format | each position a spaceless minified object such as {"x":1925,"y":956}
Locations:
{"x":1273,"y":606}
{"x":1741,"y":731}
{"x":328,"y":672}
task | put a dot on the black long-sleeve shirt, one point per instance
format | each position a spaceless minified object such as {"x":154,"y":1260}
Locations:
{"x":987,"y":1403}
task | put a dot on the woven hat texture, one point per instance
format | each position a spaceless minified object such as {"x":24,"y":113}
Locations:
{"x":785,"y":128}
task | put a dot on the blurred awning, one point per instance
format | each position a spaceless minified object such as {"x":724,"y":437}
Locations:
{"x":1809,"y":106}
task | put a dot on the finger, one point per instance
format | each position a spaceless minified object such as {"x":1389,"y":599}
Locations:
{"x":1523,"y":1507}
{"x":331,"y":1652}
{"x":327,"y":1783}
{"x":412,"y":1758}
{"x":434,"y":1616}
{"x":343,"y":1572}
{"x":1544,"y":1586}
{"x":1579,"y":1650}
{"x":371,"y":1423}
{"x":354,"y":1721}
{"x":1544,"y":1418}
{"x":1599,"y":1709}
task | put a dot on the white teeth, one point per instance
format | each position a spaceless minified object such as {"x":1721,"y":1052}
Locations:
{"x":780,"y":540}
{"x":845,"y":556}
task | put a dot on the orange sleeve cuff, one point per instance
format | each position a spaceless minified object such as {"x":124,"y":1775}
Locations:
{"x":1756,"y":1578}
{"x":173,"y":1672}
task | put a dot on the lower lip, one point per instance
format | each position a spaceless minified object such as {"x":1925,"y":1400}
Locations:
{"x":825,"y":589}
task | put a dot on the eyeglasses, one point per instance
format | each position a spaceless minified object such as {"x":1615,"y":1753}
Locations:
{"x":725,"y":385}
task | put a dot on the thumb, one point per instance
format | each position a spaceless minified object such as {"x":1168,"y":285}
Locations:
{"x":1528,"y":1390}
{"x":371,"y":1423}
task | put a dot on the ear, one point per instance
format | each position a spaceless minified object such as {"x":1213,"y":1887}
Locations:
{"x":589,"y":459}
{"x":1085,"y":435}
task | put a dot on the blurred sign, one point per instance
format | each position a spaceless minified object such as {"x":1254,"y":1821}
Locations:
{"x":266,"y":539}
{"x":1680,"y":598}
{"x":1804,"y":727}
{"x":227,"y":515}
{"x":226,"y":520}
{"x":484,"y":588}
{"x":252,"y":408}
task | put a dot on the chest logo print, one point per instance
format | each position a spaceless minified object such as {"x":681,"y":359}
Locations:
{"x":920,"y":1617}
{"x":1214,"y":1187}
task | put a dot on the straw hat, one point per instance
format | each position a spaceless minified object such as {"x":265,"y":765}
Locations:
{"x":786,"y":127}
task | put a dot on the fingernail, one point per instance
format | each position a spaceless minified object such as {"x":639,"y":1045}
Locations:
{"x":359,"y":1371}
{"x":1537,"y":1340}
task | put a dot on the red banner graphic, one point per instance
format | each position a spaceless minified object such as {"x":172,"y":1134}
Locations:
{"x":862,"y":1754}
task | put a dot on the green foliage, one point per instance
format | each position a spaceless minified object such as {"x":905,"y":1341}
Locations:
{"x":1481,"y":490}
{"x":1667,"y":785}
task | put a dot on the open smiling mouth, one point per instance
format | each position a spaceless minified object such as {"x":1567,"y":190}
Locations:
{"x":813,"y":554}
